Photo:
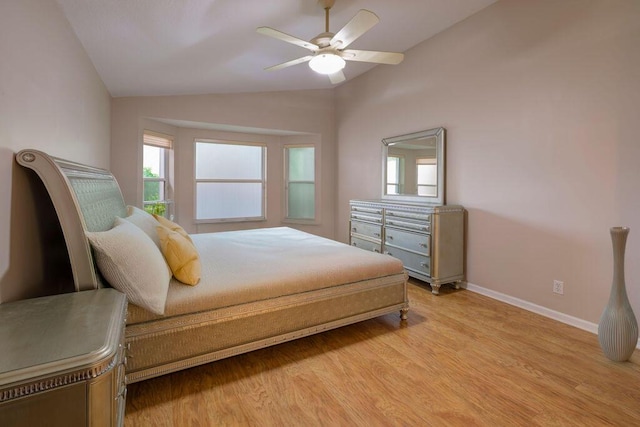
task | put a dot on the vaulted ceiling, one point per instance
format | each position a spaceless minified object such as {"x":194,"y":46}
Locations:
{"x":171,"y":47}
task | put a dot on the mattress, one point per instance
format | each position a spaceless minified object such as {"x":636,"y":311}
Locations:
{"x":239,"y":267}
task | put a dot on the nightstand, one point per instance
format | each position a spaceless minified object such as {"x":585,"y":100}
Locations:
{"x":62,"y":360}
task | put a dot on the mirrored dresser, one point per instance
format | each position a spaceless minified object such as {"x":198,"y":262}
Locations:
{"x":63,"y":361}
{"x":412,"y":222}
{"x":429,"y":240}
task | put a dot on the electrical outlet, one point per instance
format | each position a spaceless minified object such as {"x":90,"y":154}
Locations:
{"x":558,"y":287}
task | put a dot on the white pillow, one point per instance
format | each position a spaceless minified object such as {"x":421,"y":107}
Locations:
{"x":145,"y":221}
{"x":132,"y":264}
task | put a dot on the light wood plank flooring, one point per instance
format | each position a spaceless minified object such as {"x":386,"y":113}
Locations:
{"x":461,"y":359}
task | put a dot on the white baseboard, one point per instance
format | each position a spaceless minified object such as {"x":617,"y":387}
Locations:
{"x":538,"y":309}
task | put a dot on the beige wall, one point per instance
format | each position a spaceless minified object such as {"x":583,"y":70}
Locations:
{"x":308,"y":112}
{"x":52,"y":99}
{"x":540,"y":102}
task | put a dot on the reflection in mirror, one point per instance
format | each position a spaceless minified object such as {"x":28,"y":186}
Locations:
{"x":413,"y":167}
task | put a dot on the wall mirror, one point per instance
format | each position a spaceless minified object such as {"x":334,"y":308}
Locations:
{"x":413,"y":167}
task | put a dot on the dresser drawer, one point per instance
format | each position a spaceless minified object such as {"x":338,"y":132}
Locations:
{"x":366,"y":210}
{"x":366,"y":217}
{"x":424,"y":227}
{"x":367,"y":229}
{"x":366,"y":244}
{"x":411,"y":261}
{"x":405,"y":239}
{"x":420,"y":217}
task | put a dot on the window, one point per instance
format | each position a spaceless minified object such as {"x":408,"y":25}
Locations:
{"x":156,"y":173}
{"x":395,"y":164}
{"x":230,"y":181}
{"x":427,"y":177}
{"x":300,"y":182}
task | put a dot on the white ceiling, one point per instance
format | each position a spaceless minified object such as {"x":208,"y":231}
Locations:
{"x":171,"y":47}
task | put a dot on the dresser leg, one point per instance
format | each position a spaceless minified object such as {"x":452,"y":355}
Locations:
{"x":403,"y":313}
{"x":435,"y":289}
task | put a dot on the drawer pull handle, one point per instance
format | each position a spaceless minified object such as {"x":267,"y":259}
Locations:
{"x":354,"y":244}
{"x":424,"y":264}
{"x":424,"y":245}
{"x":376,"y":250}
{"x":376,"y":234}
{"x":354,"y":229}
{"x":389,"y":237}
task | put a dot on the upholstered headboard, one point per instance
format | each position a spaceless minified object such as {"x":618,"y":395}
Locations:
{"x":85,"y":199}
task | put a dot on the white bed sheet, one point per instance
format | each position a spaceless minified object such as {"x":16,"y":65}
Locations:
{"x":252,"y":265}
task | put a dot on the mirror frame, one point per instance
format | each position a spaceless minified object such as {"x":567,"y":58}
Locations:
{"x":439,"y":199}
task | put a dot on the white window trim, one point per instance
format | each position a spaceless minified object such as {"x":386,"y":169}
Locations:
{"x":426,"y":161}
{"x":160,"y":140}
{"x":308,"y":221}
{"x":401,"y":165}
{"x":196,"y":181}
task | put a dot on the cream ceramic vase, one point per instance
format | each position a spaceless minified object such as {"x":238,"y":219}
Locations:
{"x":618,"y":328}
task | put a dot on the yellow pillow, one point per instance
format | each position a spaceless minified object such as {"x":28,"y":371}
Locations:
{"x":181,"y":255}
{"x":172,"y":226}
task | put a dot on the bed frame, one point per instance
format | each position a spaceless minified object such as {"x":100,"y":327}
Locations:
{"x":88,"y":199}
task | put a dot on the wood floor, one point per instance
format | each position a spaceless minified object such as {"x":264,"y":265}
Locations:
{"x":461,"y":359}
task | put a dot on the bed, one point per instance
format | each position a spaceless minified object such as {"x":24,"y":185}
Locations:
{"x":258,"y":287}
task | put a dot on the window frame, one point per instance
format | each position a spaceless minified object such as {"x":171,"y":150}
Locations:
{"x":399,"y":185}
{"x":426,"y":161}
{"x":165,"y":142}
{"x":196,"y":180}
{"x":288,"y":219}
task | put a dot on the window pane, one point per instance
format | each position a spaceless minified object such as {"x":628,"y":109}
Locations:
{"x":228,"y":161}
{"x":158,"y":208}
{"x":301,"y":201}
{"x":216,"y":200}
{"x":393,"y":170}
{"x":153,"y":162}
{"x":427,"y":174}
{"x":153,"y":190}
{"x":427,"y":190}
{"x":301,"y":164}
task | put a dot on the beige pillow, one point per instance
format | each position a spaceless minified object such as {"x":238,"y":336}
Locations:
{"x":181,"y":255}
{"x":145,"y":221}
{"x":172,"y":226}
{"x":132,"y":264}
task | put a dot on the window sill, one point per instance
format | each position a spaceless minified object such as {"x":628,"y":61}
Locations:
{"x":227,"y":220}
{"x":300,"y":221}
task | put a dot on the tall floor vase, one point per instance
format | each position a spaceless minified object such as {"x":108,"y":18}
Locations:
{"x":618,"y":328}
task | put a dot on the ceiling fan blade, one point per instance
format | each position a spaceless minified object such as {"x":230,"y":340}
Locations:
{"x":287,"y":38}
{"x":391,"y":58}
{"x":337,"y":77}
{"x":359,"y":24}
{"x":289,"y":63}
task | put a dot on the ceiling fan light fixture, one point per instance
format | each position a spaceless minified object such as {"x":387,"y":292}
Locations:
{"x":326,"y":63}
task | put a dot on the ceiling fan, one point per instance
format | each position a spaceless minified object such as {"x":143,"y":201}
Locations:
{"x":329,"y":50}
